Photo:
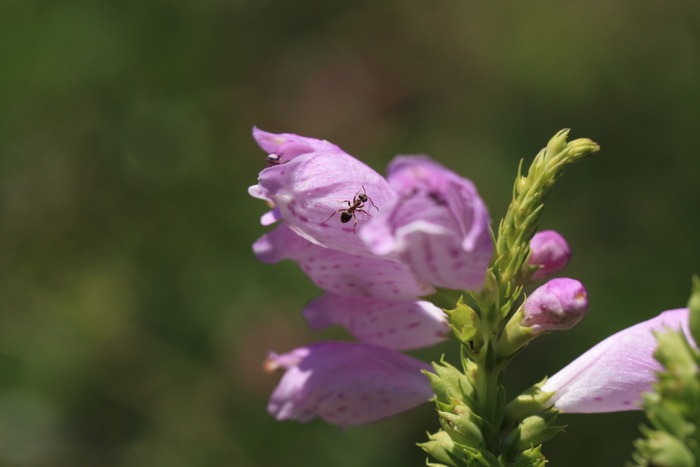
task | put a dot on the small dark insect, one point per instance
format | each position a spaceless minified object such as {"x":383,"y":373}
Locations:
{"x":356,"y":205}
{"x":274,"y":159}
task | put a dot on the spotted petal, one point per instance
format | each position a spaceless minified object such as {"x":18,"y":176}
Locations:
{"x":341,"y":273}
{"x":346,"y":383}
{"x":612,"y":375}
{"x":439,"y":225}
{"x":396,"y":324}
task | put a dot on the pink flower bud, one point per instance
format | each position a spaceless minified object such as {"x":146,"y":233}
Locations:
{"x":557,"y":305}
{"x":550,"y":252}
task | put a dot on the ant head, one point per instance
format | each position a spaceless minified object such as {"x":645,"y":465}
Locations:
{"x":362,"y":197}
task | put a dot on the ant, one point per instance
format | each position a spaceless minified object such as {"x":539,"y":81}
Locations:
{"x":356,"y":205}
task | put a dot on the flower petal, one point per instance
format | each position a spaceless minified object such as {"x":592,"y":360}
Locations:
{"x":395,"y":324}
{"x":313,"y":189}
{"x":439,"y":225}
{"x":611,"y":376}
{"x":341,"y":273}
{"x":288,"y":145}
{"x":346,"y":383}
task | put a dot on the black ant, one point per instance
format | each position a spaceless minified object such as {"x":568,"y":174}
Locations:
{"x":356,"y":205}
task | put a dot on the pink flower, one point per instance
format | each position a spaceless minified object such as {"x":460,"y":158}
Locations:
{"x":438,"y":225}
{"x":339,"y":272}
{"x":346,"y":383}
{"x":611,"y":376}
{"x":550,"y":252}
{"x":557,"y":305}
{"x":394,"y":324}
{"x":425,"y":216}
{"x":313,"y":183}
{"x":335,"y":213}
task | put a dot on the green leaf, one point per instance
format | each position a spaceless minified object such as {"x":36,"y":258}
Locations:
{"x":449,"y":383}
{"x":529,"y":402}
{"x":663,"y":449}
{"x":464,"y":321}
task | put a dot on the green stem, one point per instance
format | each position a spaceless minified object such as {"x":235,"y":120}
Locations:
{"x":487,"y":392}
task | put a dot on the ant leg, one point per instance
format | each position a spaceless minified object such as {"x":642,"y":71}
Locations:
{"x":372,"y":202}
{"x":362,"y":210}
{"x":364,"y":190}
{"x":333,"y":214}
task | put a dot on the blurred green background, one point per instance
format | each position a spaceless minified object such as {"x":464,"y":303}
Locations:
{"x":133,"y":316}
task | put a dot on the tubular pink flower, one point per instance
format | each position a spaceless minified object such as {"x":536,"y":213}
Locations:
{"x":557,"y":305}
{"x":311,"y":185}
{"x":346,"y":383}
{"x":439,"y":225}
{"x":612,"y":375}
{"x":550,"y":252}
{"x":341,"y":273}
{"x":395,"y":324}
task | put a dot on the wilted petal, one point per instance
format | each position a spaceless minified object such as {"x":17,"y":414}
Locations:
{"x":341,"y":273}
{"x":611,"y":376}
{"x":439,"y":225}
{"x":346,"y":383}
{"x":396,"y":324}
{"x":316,"y":185}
